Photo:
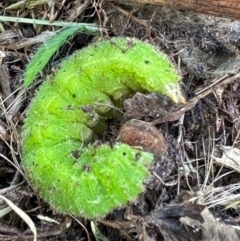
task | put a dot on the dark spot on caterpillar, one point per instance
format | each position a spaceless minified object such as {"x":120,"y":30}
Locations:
{"x":146,"y":61}
{"x":124,"y":154}
{"x":87,"y":109}
{"x":74,"y":96}
{"x":76,"y":154}
{"x":69,"y":107}
{"x":86,"y":168}
{"x":137,"y":156}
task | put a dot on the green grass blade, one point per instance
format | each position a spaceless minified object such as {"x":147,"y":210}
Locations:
{"x":46,"y":51}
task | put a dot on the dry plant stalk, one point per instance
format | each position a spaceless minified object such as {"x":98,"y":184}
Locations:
{"x":220,"y":8}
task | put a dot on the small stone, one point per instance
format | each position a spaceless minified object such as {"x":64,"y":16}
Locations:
{"x":143,"y":135}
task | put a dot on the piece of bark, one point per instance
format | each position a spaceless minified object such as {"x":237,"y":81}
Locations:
{"x":220,"y":8}
{"x":143,"y":135}
{"x":167,"y":220}
{"x":5,"y":80}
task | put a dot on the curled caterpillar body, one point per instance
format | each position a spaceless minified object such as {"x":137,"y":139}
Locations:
{"x":69,"y":110}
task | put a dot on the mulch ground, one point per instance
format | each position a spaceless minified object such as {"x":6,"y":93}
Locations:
{"x":193,"y":193}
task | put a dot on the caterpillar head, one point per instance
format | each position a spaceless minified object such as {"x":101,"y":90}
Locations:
{"x":151,"y":69}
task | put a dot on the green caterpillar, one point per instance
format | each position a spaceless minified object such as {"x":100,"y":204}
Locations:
{"x":71,"y":174}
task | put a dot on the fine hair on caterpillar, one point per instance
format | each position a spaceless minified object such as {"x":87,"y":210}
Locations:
{"x":69,"y":110}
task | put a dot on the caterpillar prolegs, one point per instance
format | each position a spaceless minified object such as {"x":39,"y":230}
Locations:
{"x":69,"y":110}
